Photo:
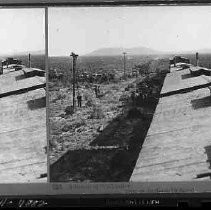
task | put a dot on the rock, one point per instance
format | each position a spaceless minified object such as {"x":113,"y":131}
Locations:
{"x":100,"y":128}
{"x":62,"y":115}
{"x":79,"y":130}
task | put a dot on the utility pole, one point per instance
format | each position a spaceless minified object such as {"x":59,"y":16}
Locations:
{"x":74,"y":70}
{"x":29,"y":60}
{"x":124,"y":53}
{"x":1,"y":68}
{"x":197,"y":59}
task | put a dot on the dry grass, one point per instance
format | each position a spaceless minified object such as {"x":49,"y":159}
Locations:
{"x":81,"y":127}
{"x":97,"y":112}
{"x":107,"y":121}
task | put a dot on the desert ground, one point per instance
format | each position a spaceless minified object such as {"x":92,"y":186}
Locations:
{"x":100,"y":141}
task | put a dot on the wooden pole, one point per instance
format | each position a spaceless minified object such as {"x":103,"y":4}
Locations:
{"x":29,"y":60}
{"x":124,"y":53}
{"x":74,"y":75}
{"x":1,"y":68}
{"x":197,"y":59}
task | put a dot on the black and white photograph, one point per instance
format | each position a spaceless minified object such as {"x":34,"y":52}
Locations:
{"x":23,"y":138}
{"x":129,"y":94}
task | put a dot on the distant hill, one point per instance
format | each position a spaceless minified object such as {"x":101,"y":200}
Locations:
{"x":206,"y":51}
{"x":141,"y":51}
{"x":119,"y":51}
{"x":39,"y":52}
{"x":186,"y":52}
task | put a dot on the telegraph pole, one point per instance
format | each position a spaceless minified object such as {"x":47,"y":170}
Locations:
{"x":197,"y":59}
{"x":124,"y":53}
{"x":1,"y":68}
{"x":29,"y":60}
{"x":74,"y":70}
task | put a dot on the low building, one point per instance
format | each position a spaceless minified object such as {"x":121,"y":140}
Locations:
{"x":23,"y":126}
{"x":9,"y":61}
{"x":178,"y":59}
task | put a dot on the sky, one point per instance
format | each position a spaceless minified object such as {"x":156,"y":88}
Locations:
{"x":21,"y":30}
{"x":163,"y":28}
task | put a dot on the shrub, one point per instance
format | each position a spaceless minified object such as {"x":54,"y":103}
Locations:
{"x":97,"y":113}
{"x":79,"y":123}
{"x":134,"y":113}
{"x":130,"y":86}
{"x":69,"y":110}
{"x":61,"y":96}
{"x":124,"y":98}
{"x":67,"y":127}
{"x":89,"y":102}
{"x":72,"y":126}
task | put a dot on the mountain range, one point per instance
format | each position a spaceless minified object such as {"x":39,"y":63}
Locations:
{"x":139,"y":51}
{"x":120,"y":50}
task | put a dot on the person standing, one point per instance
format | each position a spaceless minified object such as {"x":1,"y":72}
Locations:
{"x":79,"y":99}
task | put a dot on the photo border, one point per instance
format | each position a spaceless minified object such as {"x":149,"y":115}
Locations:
{"x":57,"y":3}
{"x":189,"y":188}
